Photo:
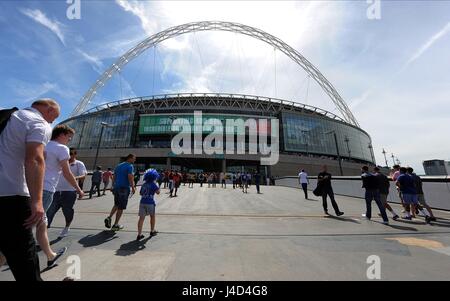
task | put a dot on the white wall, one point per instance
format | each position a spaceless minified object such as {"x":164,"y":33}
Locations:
{"x":437,"y":193}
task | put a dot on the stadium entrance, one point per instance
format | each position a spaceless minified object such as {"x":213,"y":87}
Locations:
{"x":199,"y":164}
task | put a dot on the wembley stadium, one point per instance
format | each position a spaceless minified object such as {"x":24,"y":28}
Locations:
{"x":308,"y":136}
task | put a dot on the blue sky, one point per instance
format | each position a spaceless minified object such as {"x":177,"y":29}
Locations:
{"x":392,"y":72}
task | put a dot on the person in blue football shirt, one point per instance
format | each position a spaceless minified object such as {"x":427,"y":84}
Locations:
{"x":147,"y":205}
{"x":123,"y":182}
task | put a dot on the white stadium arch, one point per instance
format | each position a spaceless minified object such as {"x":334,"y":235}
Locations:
{"x":220,"y":26}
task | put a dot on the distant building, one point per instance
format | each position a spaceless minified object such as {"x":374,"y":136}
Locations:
{"x":436,"y":167}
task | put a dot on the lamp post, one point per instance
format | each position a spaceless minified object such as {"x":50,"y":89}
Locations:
{"x":337,"y":151}
{"x":103,"y":125}
{"x":82,"y":131}
{"x":392,"y":156}
{"x":305,"y":140}
{"x":371,"y":152}
{"x":171,"y":118}
{"x":348,"y":148}
{"x":385,"y":160}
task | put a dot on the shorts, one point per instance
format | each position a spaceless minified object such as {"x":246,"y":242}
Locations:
{"x":146,"y":209}
{"x":47,"y":200}
{"x":421,"y":200}
{"x":410,"y":198}
{"x":121,"y":198}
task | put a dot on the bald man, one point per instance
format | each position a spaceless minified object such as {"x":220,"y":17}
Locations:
{"x":22,"y":167}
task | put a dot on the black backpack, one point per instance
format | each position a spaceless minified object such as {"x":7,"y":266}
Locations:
{"x":4,"y":117}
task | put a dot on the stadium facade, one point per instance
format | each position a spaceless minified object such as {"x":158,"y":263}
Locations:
{"x":308,"y":136}
{"x":106,"y":134}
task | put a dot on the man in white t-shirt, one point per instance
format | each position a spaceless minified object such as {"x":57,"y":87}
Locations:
{"x":303,"y":181}
{"x":56,"y":162}
{"x":66,"y":195}
{"x":22,"y":167}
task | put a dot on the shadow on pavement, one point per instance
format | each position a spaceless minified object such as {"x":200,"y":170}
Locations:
{"x":343,"y":219}
{"x":97,"y":239}
{"x":49,"y":268}
{"x":132,"y":247}
{"x":38,"y":248}
{"x":403,"y":228}
{"x":56,"y":240}
{"x":440,"y":223}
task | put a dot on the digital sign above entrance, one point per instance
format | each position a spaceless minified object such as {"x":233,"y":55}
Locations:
{"x":226,"y":134}
{"x":157,"y":124}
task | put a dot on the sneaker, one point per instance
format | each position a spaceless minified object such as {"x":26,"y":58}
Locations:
{"x":139,"y":237}
{"x":339,"y":213}
{"x":386,"y":222}
{"x":64,"y":232}
{"x":153,"y":233}
{"x":432,"y":218}
{"x":108,"y":222}
{"x":395,"y":217}
{"x":60,"y":253}
{"x":407,"y":217}
{"x":365,"y":216}
{"x":326,"y":212}
{"x":117,"y":227}
{"x":427,"y":219}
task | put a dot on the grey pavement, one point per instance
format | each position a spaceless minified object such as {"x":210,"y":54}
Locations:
{"x":223,"y":234}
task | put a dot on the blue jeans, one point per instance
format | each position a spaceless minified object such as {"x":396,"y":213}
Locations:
{"x":374,"y":195}
{"x":305,"y":189}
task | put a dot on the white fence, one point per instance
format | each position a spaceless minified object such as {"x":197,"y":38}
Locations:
{"x":436,"y":189}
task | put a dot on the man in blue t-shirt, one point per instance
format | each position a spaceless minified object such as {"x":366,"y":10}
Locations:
{"x":408,"y":189}
{"x":147,"y":205}
{"x":123,"y":180}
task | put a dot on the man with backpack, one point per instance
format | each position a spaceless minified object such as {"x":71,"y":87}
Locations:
{"x":23,"y":136}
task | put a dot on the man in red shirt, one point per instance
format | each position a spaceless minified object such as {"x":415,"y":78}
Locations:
{"x":176,"y":182}
{"x":106,"y":178}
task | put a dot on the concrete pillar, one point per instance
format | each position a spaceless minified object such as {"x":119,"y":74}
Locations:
{"x":269,"y":173}
{"x":168,"y":164}
{"x":224,"y":165}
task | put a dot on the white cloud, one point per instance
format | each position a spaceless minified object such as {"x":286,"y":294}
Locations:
{"x":27,"y":92}
{"x":445,"y":30}
{"x":39,"y":17}
{"x":96,"y":63}
{"x":126,"y":89}
{"x":138,"y":8}
{"x":300,"y":24}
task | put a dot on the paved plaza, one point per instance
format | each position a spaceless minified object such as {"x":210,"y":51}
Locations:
{"x":223,"y":234}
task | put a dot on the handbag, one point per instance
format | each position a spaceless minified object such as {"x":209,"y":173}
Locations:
{"x":318,"y":191}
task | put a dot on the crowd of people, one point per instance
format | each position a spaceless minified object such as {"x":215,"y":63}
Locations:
{"x":174,"y":179}
{"x":377,"y":187}
{"x":40,"y":175}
